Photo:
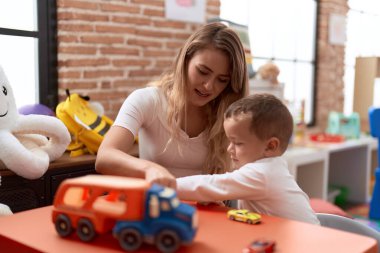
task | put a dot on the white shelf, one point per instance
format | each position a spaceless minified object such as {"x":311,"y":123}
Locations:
{"x":347,"y":164}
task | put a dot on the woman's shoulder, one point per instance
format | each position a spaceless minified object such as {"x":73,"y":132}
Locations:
{"x":150,"y":94}
{"x":149,"y":90}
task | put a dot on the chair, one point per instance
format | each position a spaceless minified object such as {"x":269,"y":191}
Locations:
{"x":348,"y":225}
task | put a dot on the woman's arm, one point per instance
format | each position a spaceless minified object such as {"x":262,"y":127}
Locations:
{"x":113,"y":159}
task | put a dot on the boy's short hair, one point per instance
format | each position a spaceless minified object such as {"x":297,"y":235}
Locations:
{"x":269,"y":117}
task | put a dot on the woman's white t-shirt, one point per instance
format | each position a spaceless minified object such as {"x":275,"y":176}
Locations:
{"x":144,"y":114}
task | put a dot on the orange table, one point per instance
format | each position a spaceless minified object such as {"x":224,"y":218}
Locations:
{"x":33,"y":231}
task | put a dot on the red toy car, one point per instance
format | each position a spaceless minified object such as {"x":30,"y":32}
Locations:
{"x":260,"y":246}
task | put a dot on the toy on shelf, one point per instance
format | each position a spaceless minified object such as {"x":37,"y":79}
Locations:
{"x":133,"y":210}
{"x":348,"y":126}
{"x":244,"y":216}
{"x":28,"y":143}
{"x":268,"y":72}
{"x":85,"y":121}
{"x":260,"y":246}
{"x":374,"y":124}
{"x":325,"y":137}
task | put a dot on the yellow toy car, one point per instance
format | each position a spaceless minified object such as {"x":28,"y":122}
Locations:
{"x":244,"y":216}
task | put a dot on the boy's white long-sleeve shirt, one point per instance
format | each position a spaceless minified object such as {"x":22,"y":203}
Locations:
{"x":265,"y":187}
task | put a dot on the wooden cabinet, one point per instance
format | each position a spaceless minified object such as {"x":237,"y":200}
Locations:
{"x":367,"y":70}
{"x":22,"y":194}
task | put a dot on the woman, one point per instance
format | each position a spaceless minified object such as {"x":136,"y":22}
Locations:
{"x":179,"y":121}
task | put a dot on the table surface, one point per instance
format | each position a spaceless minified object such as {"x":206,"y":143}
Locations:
{"x":33,"y":231}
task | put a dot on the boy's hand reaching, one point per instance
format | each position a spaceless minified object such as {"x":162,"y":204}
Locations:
{"x":158,"y":174}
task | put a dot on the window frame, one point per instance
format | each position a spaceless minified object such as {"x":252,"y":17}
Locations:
{"x":313,"y":64}
{"x":47,"y":51}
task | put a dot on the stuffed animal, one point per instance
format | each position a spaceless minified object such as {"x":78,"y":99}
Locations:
{"x":28,"y":143}
{"x":268,"y":72}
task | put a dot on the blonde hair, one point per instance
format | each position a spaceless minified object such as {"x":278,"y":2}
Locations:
{"x":174,"y":82}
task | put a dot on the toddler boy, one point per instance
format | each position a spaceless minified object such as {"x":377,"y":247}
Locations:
{"x":259,"y":128}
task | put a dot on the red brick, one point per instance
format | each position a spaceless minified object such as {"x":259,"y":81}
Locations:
{"x":119,"y":51}
{"x":144,"y":43}
{"x":69,"y":74}
{"x":130,"y":62}
{"x":119,"y":8}
{"x":158,"y":3}
{"x":131,"y":20}
{"x":155,"y":53}
{"x":152,"y":33}
{"x":77,"y":50}
{"x":77,"y":85}
{"x":102,"y":39}
{"x":144,"y":73}
{"x":76,"y":4}
{"x":84,"y":62}
{"x":68,"y":15}
{"x":102,"y":73}
{"x":170,"y":24}
{"x":67,"y":38}
{"x":153,"y":13}
{"x":75,"y":27}
{"x":114,"y":29}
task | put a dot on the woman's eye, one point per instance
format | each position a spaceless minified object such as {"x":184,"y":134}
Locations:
{"x":202,"y":72}
{"x":224,"y":80}
{"x":5,"y":91}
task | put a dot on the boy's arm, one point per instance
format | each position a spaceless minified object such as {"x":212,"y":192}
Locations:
{"x":240,"y":184}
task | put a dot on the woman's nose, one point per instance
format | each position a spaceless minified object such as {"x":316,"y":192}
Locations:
{"x":208,"y":84}
{"x":229,"y":148}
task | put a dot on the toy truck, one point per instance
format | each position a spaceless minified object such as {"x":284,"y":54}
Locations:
{"x":133,"y":210}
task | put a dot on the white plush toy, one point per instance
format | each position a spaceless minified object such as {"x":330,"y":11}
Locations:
{"x":28,"y":143}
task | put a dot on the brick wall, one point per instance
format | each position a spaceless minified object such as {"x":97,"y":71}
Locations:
{"x":107,"y":48}
{"x":330,"y":67}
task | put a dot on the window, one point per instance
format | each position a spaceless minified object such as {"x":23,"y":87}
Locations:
{"x":363,"y":40}
{"x":285,"y":34}
{"x":28,"y":50}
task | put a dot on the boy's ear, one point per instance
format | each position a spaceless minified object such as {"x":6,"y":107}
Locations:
{"x":273,"y":145}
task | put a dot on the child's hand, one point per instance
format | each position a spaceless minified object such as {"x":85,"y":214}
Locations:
{"x":159,"y":175}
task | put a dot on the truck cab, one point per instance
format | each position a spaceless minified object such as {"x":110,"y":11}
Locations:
{"x":167,"y":222}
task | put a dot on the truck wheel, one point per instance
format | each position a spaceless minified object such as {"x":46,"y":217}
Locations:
{"x":85,"y":230}
{"x":168,"y":241}
{"x":63,"y":225}
{"x":130,"y":239}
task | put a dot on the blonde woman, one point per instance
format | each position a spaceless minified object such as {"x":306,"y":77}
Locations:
{"x":179,"y":120}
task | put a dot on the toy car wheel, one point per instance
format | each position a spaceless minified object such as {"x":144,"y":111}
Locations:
{"x":85,"y":230}
{"x":63,"y":225}
{"x":130,"y":239}
{"x":231,"y":217}
{"x":167,"y":241}
{"x":249,"y":221}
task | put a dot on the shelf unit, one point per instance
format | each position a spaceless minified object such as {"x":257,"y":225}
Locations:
{"x":348,"y":164}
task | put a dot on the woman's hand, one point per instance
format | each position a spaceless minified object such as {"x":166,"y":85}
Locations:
{"x":158,"y":174}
